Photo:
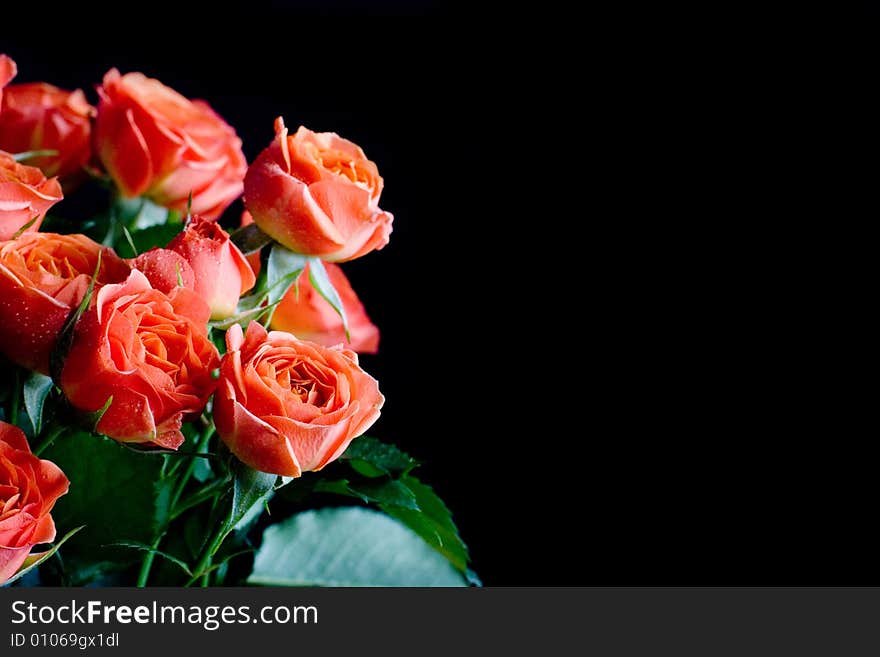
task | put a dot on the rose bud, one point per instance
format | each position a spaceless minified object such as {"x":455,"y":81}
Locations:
{"x":8,"y":71}
{"x":285,"y":406}
{"x":29,"y":487}
{"x":42,"y":117}
{"x":25,"y":196}
{"x":156,"y":143}
{"x":43,"y":276}
{"x":318,"y":195}
{"x":310,"y":317}
{"x":150,"y":353}
{"x":222,"y":274}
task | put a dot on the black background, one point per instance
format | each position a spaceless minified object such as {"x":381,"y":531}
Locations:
{"x":598,"y":374}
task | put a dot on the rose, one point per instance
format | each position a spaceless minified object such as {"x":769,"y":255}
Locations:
{"x":29,"y":487}
{"x":42,"y":277}
{"x":147,"y":351}
{"x":42,"y":117}
{"x":222,"y":274}
{"x":317,"y":194}
{"x":155,"y":142}
{"x":309,"y":316}
{"x":8,"y":70}
{"x":286,"y":406}
{"x":25,"y":196}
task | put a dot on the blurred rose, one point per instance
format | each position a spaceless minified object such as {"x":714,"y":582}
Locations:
{"x":25,"y":195}
{"x":286,"y":406}
{"x":43,"y":276}
{"x":317,"y":194}
{"x":150,"y":352}
{"x":310,"y":317}
{"x":42,"y":117}
{"x":29,"y":487}
{"x":222,"y":274}
{"x":156,"y":143}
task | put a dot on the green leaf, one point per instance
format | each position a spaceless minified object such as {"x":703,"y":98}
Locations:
{"x":140,"y":213}
{"x":321,"y":282}
{"x":146,"y":239}
{"x":333,"y":486}
{"x":36,"y":389}
{"x":114,"y":491}
{"x":433,"y":522}
{"x":163,"y":489}
{"x":35,"y":560}
{"x":349,"y":546}
{"x":249,"y":239}
{"x":146,"y":548}
{"x":202,"y":470}
{"x":385,"y":491}
{"x":250,"y":489}
{"x":65,"y":336}
{"x":283,"y":270}
{"x":373,"y":458}
{"x":388,"y":492}
{"x":243,"y":318}
{"x":130,"y":243}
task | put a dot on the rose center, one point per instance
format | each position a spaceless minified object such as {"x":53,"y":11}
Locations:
{"x":302,"y":384}
{"x":339,"y":163}
{"x":9,"y":498}
{"x":61,"y":266}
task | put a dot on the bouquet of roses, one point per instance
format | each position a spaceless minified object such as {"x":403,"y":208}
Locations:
{"x":177,"y":399}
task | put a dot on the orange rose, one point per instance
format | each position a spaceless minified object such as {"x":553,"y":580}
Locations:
{"x":29,"y":487}
{"x":156,"y":143}
{"x":222,"y":274}
{"x":317,"y":194}
{"x":42,"y":117}
{"x":308,"y":315}
{"x":285,"y":406}
{"x":150,"y":353}
{"x":42,"y":277}
{"x":8,"y":70}
{"x":25,"y":196}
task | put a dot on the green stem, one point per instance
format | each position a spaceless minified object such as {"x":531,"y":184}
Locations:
{"x":201,"y":569}
{"x":191,"y":466}
{"x":147,"y":563}
{"x":198,"y":497}
{"x":49,"y":439}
